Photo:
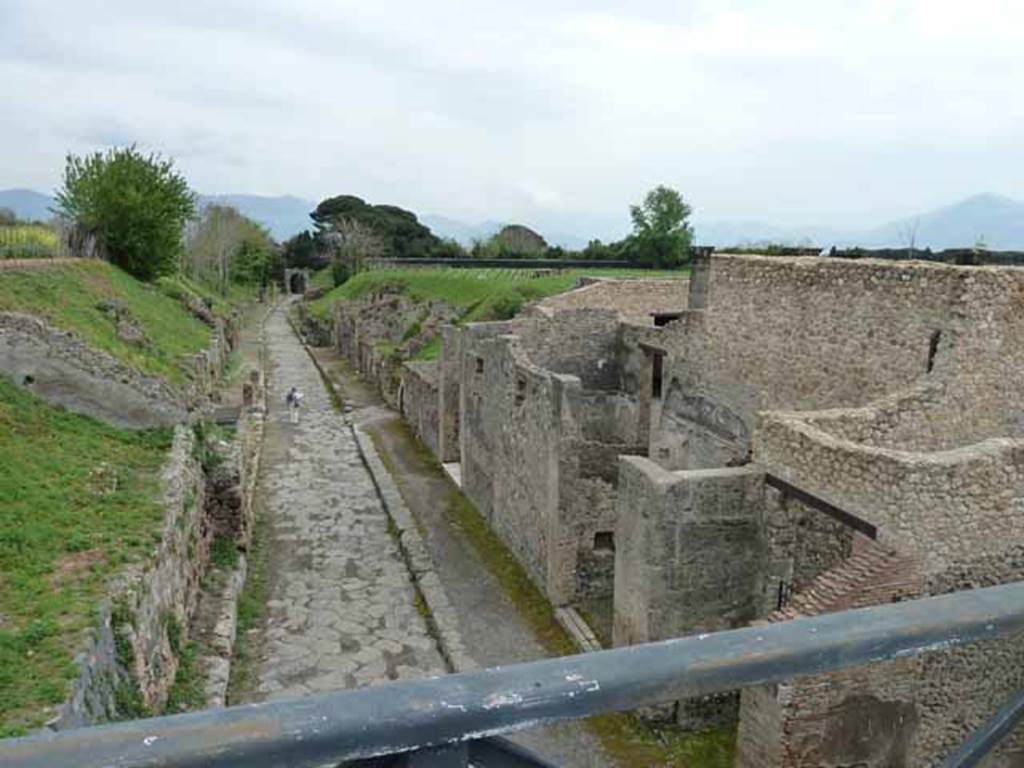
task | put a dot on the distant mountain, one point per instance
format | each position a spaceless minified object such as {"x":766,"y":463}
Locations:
{"x":995,"y":220}
{"x":27,"y":204}
{"x":465,"y":234}
{"x":284,"y":216}
{"x":462,"y":233}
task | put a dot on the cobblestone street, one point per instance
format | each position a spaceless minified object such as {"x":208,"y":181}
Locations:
{"x":341,"y":609}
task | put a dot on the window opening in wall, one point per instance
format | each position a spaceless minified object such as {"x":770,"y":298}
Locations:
{"x":657,"y":371}
{"x":479,"y":365}
{"x":520,"y":391}
{"x":29,"y":380}
{"x":604,"y":541}
{"x":933,"y":347}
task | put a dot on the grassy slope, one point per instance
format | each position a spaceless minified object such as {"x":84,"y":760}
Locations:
{"x":69,"y":295}
{"x":482,"y":294}
{"x":78,"y":499}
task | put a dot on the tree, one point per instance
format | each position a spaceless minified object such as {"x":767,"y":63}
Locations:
{"x":136,"y":205}
{"x":301,"y":251}
{"x":661,"y":234}
{"x":350,"y":241}
{"x":7,"y":217}
{"x":399,"y":232}
{"x":226,"y":247}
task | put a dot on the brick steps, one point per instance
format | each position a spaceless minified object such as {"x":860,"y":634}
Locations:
{"x":873,"y":575}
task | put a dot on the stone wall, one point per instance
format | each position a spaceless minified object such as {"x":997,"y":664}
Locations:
{"x":418,"y":400}
{"x":128,"y":663}
{"x":541,"y":424}
{"x":689,"y":550}
{"x":581,"y":342}
{"x":689,"y":559}
{"x":938,"y":468}
{"x":449,"y":377}
{"x":62,"y":369}
{"x":909,"y":712}
{"x":380,"y":331}
{"x":796,"y":333}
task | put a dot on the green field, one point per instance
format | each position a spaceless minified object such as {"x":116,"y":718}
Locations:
{"x":78,"y":500}
{"x":69,"y":296}
{"x":482,"y":294}
{"x":28,"y":241}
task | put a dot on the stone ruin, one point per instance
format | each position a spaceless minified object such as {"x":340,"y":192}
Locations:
{"x":776,"y":437}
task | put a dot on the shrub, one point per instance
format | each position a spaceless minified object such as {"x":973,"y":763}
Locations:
{"x":136,"y":204}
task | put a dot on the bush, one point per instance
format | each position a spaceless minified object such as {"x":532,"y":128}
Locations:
{"x":136,"y":204}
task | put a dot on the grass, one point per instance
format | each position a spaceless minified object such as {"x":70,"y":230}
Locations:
{"x":625,"y":737}
{"x":482,"y":294}
{"x":69,"y":296}
{"x":78,"y":500}
{"x":28,"y":241}
{"x":177,"y":286}
{"x":322,"y":279}
{"x":187,"y":691}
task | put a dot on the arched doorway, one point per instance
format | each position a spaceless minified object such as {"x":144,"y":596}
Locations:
{"x":297,"y":283}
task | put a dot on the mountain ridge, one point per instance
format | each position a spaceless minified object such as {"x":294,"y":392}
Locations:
{"x":996,"y":220}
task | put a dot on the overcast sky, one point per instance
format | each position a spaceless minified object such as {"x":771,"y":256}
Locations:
{"x":557,"y":113}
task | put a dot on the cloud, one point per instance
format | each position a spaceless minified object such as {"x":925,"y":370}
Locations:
{"x":555,"y":113}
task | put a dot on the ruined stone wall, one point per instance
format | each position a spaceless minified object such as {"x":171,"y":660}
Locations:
{"x":539,"y":450}
{"x":61,"y":368}
{"x":938,"y":468}
{"x":129,"y":655}
{"x":449,"y":377}
{"x":689,"y":558}
{"x":477,"y":443}
{"x":950,"y":506}
{"x":581,"y":342}
{"x":511,"y":431}
{"x":689,"y":550}
{"x":798,"y":334}
{"x":378,"y":332}
{"x":419,"y":402}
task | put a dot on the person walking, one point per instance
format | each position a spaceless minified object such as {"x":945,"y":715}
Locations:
{"x":294,"y":399}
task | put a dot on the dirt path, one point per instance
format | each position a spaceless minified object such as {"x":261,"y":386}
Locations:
{"x":492,"y":629}
{"x":341,"y":608}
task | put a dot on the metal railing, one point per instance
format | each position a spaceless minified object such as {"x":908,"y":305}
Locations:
{"x":452,"y":720}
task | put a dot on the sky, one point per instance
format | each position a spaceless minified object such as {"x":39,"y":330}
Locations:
{"x":555,"y":113}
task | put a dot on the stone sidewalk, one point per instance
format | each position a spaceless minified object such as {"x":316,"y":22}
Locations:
{"x":341,"y":609}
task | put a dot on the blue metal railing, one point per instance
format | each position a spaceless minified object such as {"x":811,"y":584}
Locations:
{"x":451,"y":720}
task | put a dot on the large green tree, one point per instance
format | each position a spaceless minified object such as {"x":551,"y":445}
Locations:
{"x":661,"y":232}
{"x":135,"y":204}
{"x":398,"y":232}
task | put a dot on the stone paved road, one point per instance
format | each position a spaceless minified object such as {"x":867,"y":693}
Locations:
{"x":341,"y":610}
{"x":492,"y":630}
